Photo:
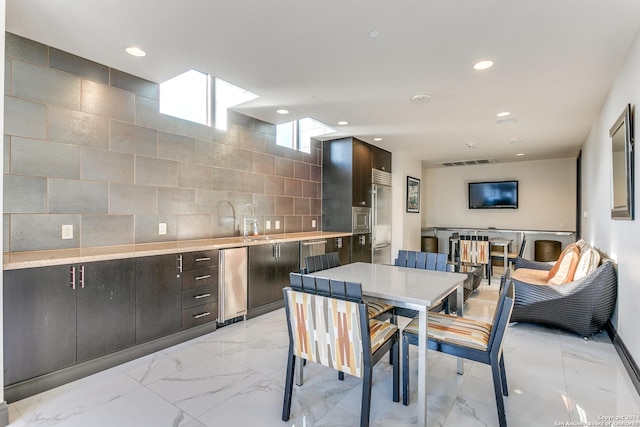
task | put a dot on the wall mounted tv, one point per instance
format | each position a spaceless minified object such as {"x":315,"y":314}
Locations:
{"x":493,"y":195}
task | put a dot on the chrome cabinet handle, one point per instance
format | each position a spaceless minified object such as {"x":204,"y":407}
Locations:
{"x":72,"y":272}
{"x":198,"y":316}
{"x":203,"y":277}
{"x":81,"y":280}
{"x":201,"y":296}
{"x":203,"y":259}
{"x":180,"y":264}
{"x":318,"y":242}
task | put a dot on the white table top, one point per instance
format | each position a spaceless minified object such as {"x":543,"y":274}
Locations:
{"x":405,"y":287}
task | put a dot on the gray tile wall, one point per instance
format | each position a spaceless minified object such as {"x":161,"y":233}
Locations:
{"x":85,"y":145}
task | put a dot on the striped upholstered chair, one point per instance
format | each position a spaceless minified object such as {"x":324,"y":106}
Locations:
{"x":467,"y":338}
{"x":335,"y":331}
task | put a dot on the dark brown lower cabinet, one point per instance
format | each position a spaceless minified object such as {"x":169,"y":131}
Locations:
{"x":57,"y":316}
{"x":158,"y":297}
{"x":341,"y":245}
{"x":361,"y":248}
{"x":269,"y":268}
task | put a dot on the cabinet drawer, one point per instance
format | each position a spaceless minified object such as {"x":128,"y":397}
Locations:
{"x":200,"y":314}
{"x":201,"y":277}
{"x":193,"y":260}
{"x":199,"y":296}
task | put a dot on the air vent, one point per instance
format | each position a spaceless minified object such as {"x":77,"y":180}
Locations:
{"x":467,"y":162}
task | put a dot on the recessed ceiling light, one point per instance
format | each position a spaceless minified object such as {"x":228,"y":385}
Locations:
{"x":135,"y":51}
{"x":423,"y":97}
{"x":343,"y":123}
{"x":503,"y":114}
{"x":520,"y":154}
{"x":516,"y":140}
{"x":377,"y":139}
{"x":282,"y":111}
{"x":374,"y":34}
{"x":483,"y":65}
{"x":471,"y":145}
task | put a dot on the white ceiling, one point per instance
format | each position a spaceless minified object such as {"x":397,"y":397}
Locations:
{"x":555,"y":61}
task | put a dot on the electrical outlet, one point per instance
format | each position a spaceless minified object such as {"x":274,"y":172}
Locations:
{"x":313,"y":223}
{"x":267,"y":225}
{"x":277,"y":225}
{"x":162,"y":228}
{"x":67,"y":231}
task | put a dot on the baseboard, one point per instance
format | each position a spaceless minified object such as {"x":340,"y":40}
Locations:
{"x":46,"y":382}
{"x":626,"y":357}
{"x":264,"y":309}
{"x":4,"y":414}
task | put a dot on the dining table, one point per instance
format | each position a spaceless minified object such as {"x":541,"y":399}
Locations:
{"x":412,"y":288}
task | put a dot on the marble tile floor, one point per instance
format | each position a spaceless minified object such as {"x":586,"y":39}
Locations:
{"x":235,"y":377}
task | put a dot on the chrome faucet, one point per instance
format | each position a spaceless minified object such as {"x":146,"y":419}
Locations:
{"x":252,"y":218}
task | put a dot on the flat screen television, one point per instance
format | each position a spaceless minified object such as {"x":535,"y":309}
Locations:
{"x":493,"y":195}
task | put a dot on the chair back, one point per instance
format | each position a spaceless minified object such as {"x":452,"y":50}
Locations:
{"x":441,"y":262}
{"x":503,"y":312}
{"x":421,"y":260}
{"x":321,"y":262}
{"x":432,"y":259}
{"x":523,"y":247}
{"x":329,"y":330}
{"x":401,"y":261}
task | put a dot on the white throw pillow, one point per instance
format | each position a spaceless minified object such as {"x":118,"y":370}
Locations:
{"x":589,"y":261}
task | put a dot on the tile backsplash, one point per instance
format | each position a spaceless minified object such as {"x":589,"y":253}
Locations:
{"x":85,"y":145}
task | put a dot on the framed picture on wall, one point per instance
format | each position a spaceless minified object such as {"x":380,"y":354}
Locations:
{"x":413,"y":194}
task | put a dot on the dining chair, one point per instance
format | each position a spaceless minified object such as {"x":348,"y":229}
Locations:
{"x":469,"y":339}
{"x":401,"y":261}
{"x":511,"y":256}
{"x":335,"y":331}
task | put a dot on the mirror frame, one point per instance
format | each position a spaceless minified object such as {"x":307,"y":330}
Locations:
{"x":623,"y":124}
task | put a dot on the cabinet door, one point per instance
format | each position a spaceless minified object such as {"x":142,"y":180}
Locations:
{"x":158,"y":297}
{"x":262,"y":275}
{"x":288,"y":261}
{"x":341,"y":245}
{"x":381,"y":159}
{"x":361,"y":248}
{"x":106,"y":307}
{"x":39,"y":322}
{"x":361,"y":173}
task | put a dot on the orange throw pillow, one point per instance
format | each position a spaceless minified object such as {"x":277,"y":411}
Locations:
{"x":556,"y":266}
{"x":566,"y":267}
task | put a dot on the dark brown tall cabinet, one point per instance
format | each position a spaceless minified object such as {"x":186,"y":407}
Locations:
{"x":346,"y":183}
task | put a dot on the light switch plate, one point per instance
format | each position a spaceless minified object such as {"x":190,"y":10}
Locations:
{"x":267,"y":225}
{"x":313,"y":223}
{"x":67,"y":231}
{"x":162,"y":228}
{"x":277,"y":225}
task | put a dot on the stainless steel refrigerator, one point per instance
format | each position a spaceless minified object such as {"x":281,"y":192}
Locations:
{"x":381,"y":217}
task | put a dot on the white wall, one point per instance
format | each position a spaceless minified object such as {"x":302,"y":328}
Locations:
{"x":406,"y":230}
{"x":2,"y":35}
{"x":620,"y":239}
{"x":547,"y":196}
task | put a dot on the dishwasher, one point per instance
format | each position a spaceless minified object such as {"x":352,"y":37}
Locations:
{"x":310,"y":248}
{"x":232,"y":285}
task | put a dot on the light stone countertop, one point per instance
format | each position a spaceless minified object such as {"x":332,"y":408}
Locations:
{"x":18,"y":260}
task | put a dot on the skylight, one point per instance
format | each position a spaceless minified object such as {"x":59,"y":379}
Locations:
{"x":298,"y":133}
{"x":187,"y":96}
{"x":227,"y":96}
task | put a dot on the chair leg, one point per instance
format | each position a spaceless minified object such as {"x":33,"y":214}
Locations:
{"x":497,"y":387}
{"x":503,"y":376}
{"x":288,"y":387}
{"x":394,"y":320}
{"x":365,"y":411}
{"x":405,"y":370}
{"x":396,"y":371}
